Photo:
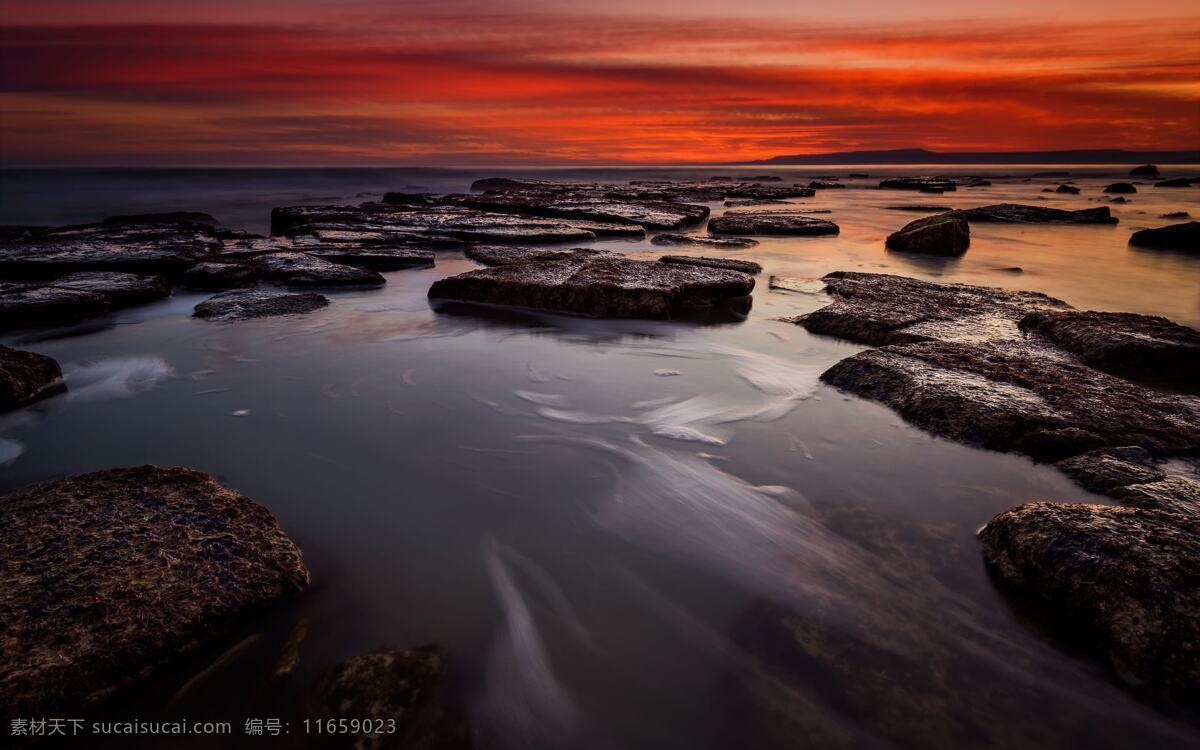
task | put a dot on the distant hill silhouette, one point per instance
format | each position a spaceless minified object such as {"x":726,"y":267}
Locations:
{"x":924,"y":156}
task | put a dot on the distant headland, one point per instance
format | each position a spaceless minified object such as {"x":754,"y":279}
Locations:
{"x":924,"y":156}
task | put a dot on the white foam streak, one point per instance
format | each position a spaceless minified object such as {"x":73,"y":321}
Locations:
{"x":115,"y":378}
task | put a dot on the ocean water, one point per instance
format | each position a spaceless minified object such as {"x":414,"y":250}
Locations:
{"x":598,"y":520}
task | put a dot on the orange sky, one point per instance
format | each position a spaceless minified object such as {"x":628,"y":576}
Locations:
{"x":522,"y":82}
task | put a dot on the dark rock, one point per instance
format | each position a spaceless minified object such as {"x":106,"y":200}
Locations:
{"x":393,"y":685}
{"x":212,"y":274}
{"x":162,"y":247}
{"x":110,"y":575}
{"x":1173,"y":493}
{"x":1184,"y":237}
{"x":1014,"y":397}
{"x":976,"y":182}
{"x":600,"y":287}
{"x":1068,"y":189}
{"x":720,"y":179}
{"x":882,"y":309}
{"x":818,"y":185}
{"x":258,"y":303}
{"x":75,"y":296}
{"x":302,"y":269}
{"x":508,"y":183}
{"x":1147,"y":172}
{"x":1126,"y":344}
{"x":1120,"y":187}
{"x":377,"y":257}
{"x":1178,"y":182}
{"x":721,"y":243}
{"x":768,"y":192}
{"x":745,"y":266}
{"x":761,"y":178}
{"x":1118,"y":199}
{"x":924,"y":184}
{"x":503,"y":255}
{"x":1015,"y":213}
{"x":921,"y":209}
{"x":25,"y":377}
{"x":942,"y":234}
{"x":859,"y":175}
{"x":757,"y":202}
{"x":1105,"y":470}
{"x":770,"y":224}
{"x":1176,"y":215}
{"x":168,"y":217}
{"x":1122,"y":580}
{"x":406,"y":199}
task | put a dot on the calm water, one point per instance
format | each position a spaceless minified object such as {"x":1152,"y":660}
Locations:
{"x":588,"y":515}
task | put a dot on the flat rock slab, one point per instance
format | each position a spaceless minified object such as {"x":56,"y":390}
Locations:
{"x":404,"y":686}
{"x":1122,"y":580}
{"x":157,"y":247}
{"x":76,"y":296}
{"x":302,"y":269}
{"x":1126,"y":344}
{"x":1014,"y":213}
{"x":258,"y":303}
{"x":599,"y":287}
{"x":690,"y":240}
{"x":877,"y":309}
{"x":26,"y":377}
{"x":771,"y":224}
{"x":745,"y":266}
{"x":1183,"y":237}
{"x":105,"y":577}
{"x":943,"y":234}
{"x":647,"y":213}
{"x":1014,"y":397}
{"x":923,"y":184}
{"x":503,"y":255}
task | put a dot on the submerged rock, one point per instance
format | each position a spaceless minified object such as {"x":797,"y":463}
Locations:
{"x":26,"y":377}
{"x":110,"y":575}
{"x":745,"y":266}
{"x":258,"y":303}
{"x":757,"y":202}
{"x":1184,"y":237}
{"x":503,"y":255}
{"x":1146,"y":172}
{"x":771,"y":224}
{"x":1014,"y":213}
{"x":943,"y":234}
{"x":1122,"y":580}
{"x":1176,"y":215}
{"x":1120,"y":187}
{"x":1126,"y":344}
{"x":1067,"y":189}
{"x":924,"y":184}
{"x":392,"y":685}
{"x":1178,"y":182}
{"x":723,"y":243}
{"x":157,"y":247}
{"x":877,"y":309}
{"x":75,"y":296}
{"x":921,"y":208}
{"x":600,"y":287}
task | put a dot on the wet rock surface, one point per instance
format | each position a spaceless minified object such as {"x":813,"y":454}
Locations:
{"x":302,"y":269}
{"x":1182,"y":237}
{"x":75,"y":296}
{"x":745,"y":266}
{"x":258,"y":303}
{"x":1014,"y":213}
{"x":1126,"y":344}
{"x":764,"y":223}
{"x":943,"y":234}
{"x":1122,"y":579}
{"x":688,"y":240}
{"x":110,"y":575}
{"x":601,"y":287}
{"x":394,"y":685}
{"x":503,"y":255}
{"x":26,"y":377}
{"x":156,"y":247}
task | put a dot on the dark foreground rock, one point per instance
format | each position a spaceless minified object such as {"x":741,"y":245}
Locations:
{"x":1126,"y":344}
{"x":25,"y":377}
{"x":943,"y":234}
{"x":1015,"y":213}
{"x":155,"y":247}
{"x":1120,"y":187}
{"x":1067,"y":189}
{"x":302,"y":269}
{"x":1184,"y":237}
{"x":1121,"y":579}
{"x":1145,"y":172}
{"x":75,"y":296}
{"x":1130,"y":474}
{"x":771,"y":224}
{"x":105,"y":577}
{"x":503,"y":255}
{"x":923,"y":184}
{"x":600,"y":287}
{"x":258,"y":303}
{"x":745,"y":266}
{"x":406,"y":687}
{"x":877,"y":309}
{"x":689,"y":240}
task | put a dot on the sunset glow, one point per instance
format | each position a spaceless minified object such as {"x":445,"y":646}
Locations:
{"x":264,"y":82}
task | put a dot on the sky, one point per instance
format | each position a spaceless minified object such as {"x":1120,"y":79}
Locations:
{"x":518,"y":82}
